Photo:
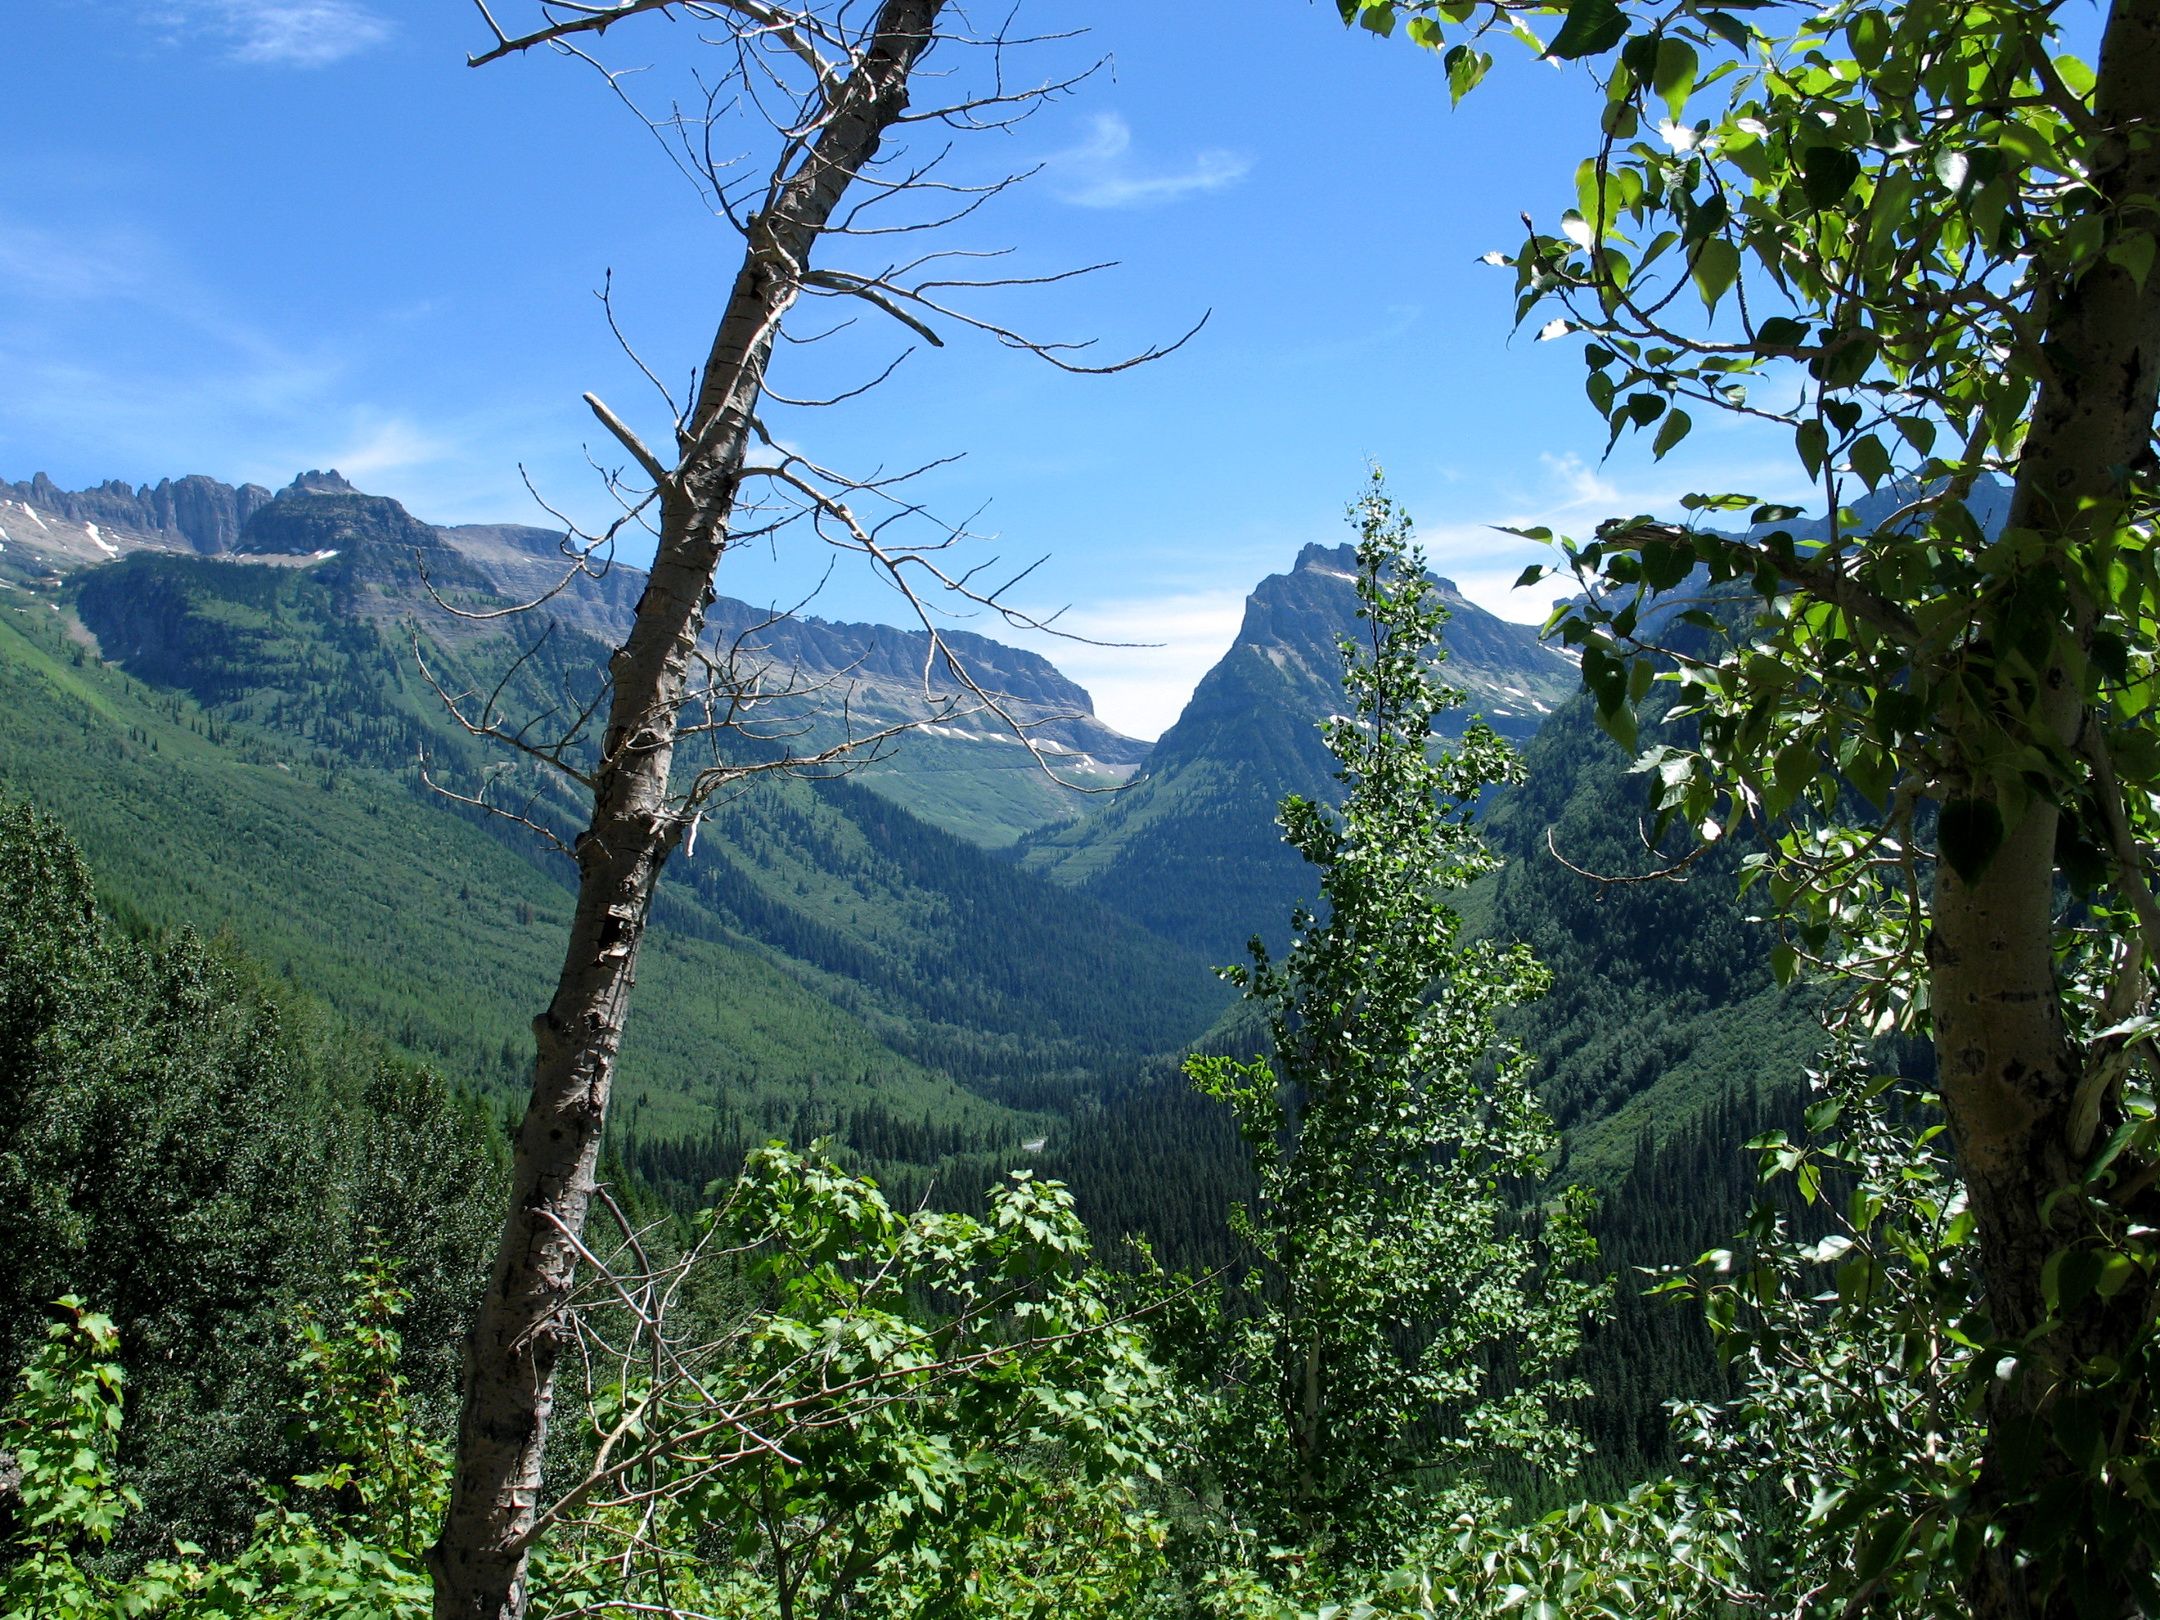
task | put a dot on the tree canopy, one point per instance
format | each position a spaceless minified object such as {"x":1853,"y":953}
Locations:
{"x":1918,"y":237}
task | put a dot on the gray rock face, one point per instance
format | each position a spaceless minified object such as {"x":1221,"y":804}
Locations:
{"x":197,"y":511}
{"x":884,"y":662}
{"x":314,"y":482}
{"x":360,"y":540}
{"x":881,"y":666}
{"x":1512,"y":679}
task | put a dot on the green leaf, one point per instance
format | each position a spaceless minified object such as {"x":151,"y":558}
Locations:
{"x":1827,"y":173}
{"x":1465,"y":69}
{"x":1674,"y":77}
{"x":1671,"y":432}
{"x":1812,"y":440}
{"x":1728,"y":28}
{"x":1717,"y":267}
{"x":2116,"y":1273}
{"x":1592,"y":26}
{"x":1868,"y":32}
{"x":1665,"y":566}
{"x":1784,"y":962}
{"x":1870,"y":460}
{"x":1618,"y":724}
{"x":2069,"y":1277}
{"x":1916,"y":431}
{"x":2134,"y":253}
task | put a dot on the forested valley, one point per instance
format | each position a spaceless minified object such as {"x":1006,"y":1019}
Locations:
{"x":530,"y":1086}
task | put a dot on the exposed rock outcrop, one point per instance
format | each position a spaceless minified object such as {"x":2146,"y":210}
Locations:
{"x":197,"y":511}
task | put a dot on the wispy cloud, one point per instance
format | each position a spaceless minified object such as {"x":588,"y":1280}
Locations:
{"x":1570,"y":496}
{"x":45,"y":264}
{"x":1102,"y":171}
{"x":1578,"y":486}
{"x":280,"y":33}
{"x":1140,"y":690}
{"x":392,"y":446}
{"x":114,"y":357}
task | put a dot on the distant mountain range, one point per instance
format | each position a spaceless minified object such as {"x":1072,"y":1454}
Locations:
{"x":234,"y":737}
{"x":1249,"y":727}
{"x":271,"y":635}
{"x":947,"y":962}
{"x":971,"y":775}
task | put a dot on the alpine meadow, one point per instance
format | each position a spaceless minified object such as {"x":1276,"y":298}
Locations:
{"x":893,"y":968}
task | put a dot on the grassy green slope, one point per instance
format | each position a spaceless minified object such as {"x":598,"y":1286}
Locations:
{"x":824,"y":956}
{"x":1662,"y":1001}
{"x":989,"y":794}
{"x":416,"y":924}
{"x":983,"y":971}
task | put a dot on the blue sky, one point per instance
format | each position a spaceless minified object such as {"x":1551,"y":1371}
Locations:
{"x":244,"y":237}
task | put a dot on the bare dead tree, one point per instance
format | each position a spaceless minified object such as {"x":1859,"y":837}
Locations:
{"x":830,"y":84}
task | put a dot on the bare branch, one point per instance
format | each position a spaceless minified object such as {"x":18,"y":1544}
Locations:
{"x":629,"y":440}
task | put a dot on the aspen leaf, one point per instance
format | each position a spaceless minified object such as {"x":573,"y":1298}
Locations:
{"x":1592,"y":26}
{"x":2134,"y":253}
{"x":1827,"y":173}
{"x":1717,"y":267}
{"x":1870,"y":460}
{"x":1812,"y":441}
{"x":1670,"y":432}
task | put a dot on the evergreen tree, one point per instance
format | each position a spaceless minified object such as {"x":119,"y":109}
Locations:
{"x":199,"y":1159}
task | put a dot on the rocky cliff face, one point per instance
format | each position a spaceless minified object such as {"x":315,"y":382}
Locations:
{"x":368,"y":544}
{"x":886,"y":667}
{"x":1292,"y":620}
{"x":196,"y":512}
{"x":883,"y":665}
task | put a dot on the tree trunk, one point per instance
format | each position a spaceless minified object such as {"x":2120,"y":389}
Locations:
{"x":478,"y":1564}
{"x":2008,"y":1071}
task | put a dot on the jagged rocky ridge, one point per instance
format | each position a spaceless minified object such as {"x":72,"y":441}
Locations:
{"x":970,"y":774}
{"x":196,"y":512}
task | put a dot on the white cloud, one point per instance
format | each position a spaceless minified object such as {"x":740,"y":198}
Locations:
{"x":43,"y":264}
{"x":114,"y":359}
{"x":1583,"y":486}
{"x":1571,"y":497}
{"x":392,"y":446}
{"x":1140,"y":690}
{"x":281,"y":33}
{"x":1101,"y":171}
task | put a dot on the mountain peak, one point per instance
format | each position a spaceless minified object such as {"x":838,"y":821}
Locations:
{"x":1320,"y":559}
{"x":316,"y":482}
{"x":196,"y":513}
{"x":1340,"y":562}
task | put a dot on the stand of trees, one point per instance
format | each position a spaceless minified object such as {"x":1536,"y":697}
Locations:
{"x":1922,"y":236}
